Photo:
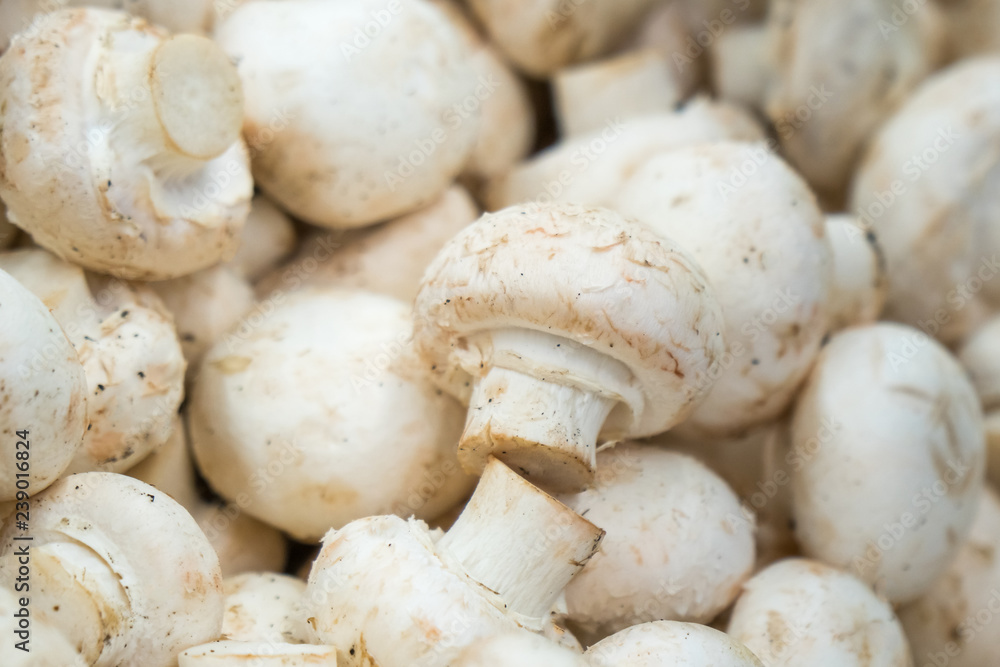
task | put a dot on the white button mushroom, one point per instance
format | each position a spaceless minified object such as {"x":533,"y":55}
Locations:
{"x":264,"y":606}
{"x":859,"y":287}
{"x":518,"y":649}
{"x":288,"y":420}
{"x":950,"y":625}
{"x":590,"y":169}
{"x":43,"y":394}
{"x":268,"y":237}
{"x":678,"y":546}
{"x":926,"y":188}
{"x":44,"y":646}
{"x":541,"y":37}
{"x":754,"y":227}
{"x":625,"y":86}
{"x":389,"y":129}
{"x":385,"y":591}
{"x":120,"y":569}
{"x":258,"y":654}
{"x":559,"y":325}
{"x":824,"y":107}
{"x":670,"y":644}
{"x":131,"y":357}
{"x":389,"y":258}
{"x":669,"y":30}
{"x":891,"y":493}
{"x":121,"y":145}
{"x":799,"y":612}
{"x":242,"y":543}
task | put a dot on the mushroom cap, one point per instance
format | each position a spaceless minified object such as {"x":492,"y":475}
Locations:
{"x":801,"y":612}
{"x":980,"y":355}
{"x":592,"y":168}
{"x":670,"y":644}
{"x":859,"y":281}
{"x":167,"y":570}
{"x":677,"y":547}
{"x":42,"y":390}
{"x":204,"y":305}
{"x":381,"y":595}
{"x":362,"y":259}
{"x":169,"y":468}
{"x":754,"y":227}
{"x":288,"y":419}
{"x":264,"y":606}
{"x":888,"y":448}
{"x":243,"y":543}
{"x":584,"y":274}
{"x":391,"y":131}
{"x":268,"y":237}
{"x":85,"y":191}
{"x":518,"y":649}
{"x":541,"y":37}
{"x":925,"y":187}
{"x":949,"y":616}
{"x":257,"y":654}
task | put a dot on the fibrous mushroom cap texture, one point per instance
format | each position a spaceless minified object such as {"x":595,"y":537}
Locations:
{"x":587,"y":275}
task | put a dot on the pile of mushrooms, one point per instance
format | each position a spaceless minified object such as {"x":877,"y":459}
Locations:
{"x":562,"y":333}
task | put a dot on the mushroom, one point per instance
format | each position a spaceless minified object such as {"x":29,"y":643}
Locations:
{"x":204,"y":305}
{"x":34,"y":643}
{"x":120,"y":569}
{"x":242,"y":543}
{"x":757,"y":465}
{"x":268,"y":238}
{"x":628,"y":85}
{"x":322,"y":415}
{"x":678,"y":546}
{"x":754,"y":227}
{"x":389,"y":592}
{"x":666,"y":30}
{"x":121,"y":145}
{"x":949,"y":625}
{"x":801,"y":612}
{"x":542,"y":37}
{"x":979,"y":355}
{"x":507,"y":127}
{"x":43,"y":394}
{"x":389,"y":259}
{"x":131,"y":357}
{"x":264,"y":606}
{"x":825,"y":107}
{"x":670,"y":644}
{"x":859,"y":288}
{"x":518,"y":649}
{"x":560,"y":325}
{"x":890,"y":494}
{"x":257,"y":654}
{"x":591,"y":169}
{"x":925,"y":187}
{"x":398,"y":120}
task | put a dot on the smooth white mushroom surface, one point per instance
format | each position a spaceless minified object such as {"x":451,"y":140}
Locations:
{"x":43,"y":394}
{"x":889,"y":458}
{"x":132,"y":359}
{"x":953,"y":619}
{"x":925,"y":188}
{"x":372,"y":126}
{"x":119,"y":569}
{"x":268,"y":237}
{"x":121,"y":145}
{"x":670,"y":644}
{"x":754,"y":227}
{"x":265,"y":607}
{"x":560,"y":326}
{"x":389,"y":592}
{"x":859,"y":287}
{"x":678,"y":545}
{"x":289,"y":414}
{"x":518,"y":649}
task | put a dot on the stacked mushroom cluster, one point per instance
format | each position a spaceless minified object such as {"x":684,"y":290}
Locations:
{"x":564,"y":333}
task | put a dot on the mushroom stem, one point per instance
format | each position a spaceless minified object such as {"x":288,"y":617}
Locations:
{"x":180,"y":104}
{"x":519,"y":542}
{"x":740,"y":64}
{"x":78,"y":594}
{"x":546,"y":431}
